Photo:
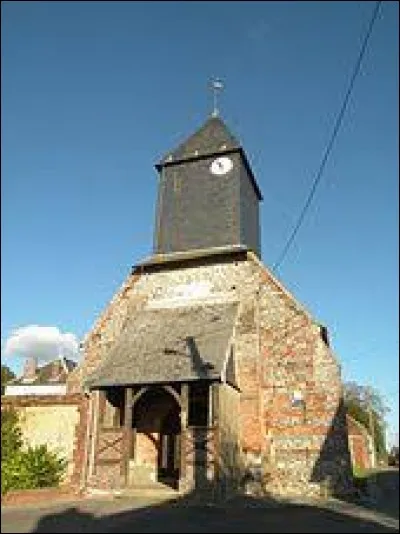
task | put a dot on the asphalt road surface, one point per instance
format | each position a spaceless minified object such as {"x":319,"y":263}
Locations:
{"x":242,"y":514}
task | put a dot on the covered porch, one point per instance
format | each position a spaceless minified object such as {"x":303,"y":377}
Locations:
{"x":157,"y":412}
{"x":154,"y":434}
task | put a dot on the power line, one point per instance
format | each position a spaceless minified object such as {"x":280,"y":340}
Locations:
{"x":329,"y":147}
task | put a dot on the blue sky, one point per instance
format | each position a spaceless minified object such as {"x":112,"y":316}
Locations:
{"x":93,"y":93}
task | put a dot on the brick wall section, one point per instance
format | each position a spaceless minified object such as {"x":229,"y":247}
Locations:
{"x":147,"y":444}
{"x":79,"y":452}
{"x":359,"y":442}
{"x":278,"y":351}
{"x":305,"y":444}
{"x":106,"y":477}
{"x":148,"y":432}
{"x":247,"y":353}
{"x":200,"y":446}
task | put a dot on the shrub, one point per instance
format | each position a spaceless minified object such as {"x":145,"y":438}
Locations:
{"x":44,"y":466}
{"x":34,"y":468}
{"x":15,"y":474}
{"x":11,"y":440}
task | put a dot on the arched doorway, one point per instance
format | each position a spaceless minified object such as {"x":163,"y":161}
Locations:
{"x":156,"y":429}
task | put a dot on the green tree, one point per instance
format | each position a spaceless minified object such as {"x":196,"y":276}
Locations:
{"x":6,"y":376}
{"x":367,"y":405}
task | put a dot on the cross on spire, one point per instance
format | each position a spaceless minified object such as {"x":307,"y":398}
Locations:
{"x":216,"y":85}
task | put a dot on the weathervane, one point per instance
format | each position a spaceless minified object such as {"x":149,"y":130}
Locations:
{"x":216,"y":85}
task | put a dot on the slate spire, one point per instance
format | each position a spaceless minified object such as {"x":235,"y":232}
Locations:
{"x":211,"y":139}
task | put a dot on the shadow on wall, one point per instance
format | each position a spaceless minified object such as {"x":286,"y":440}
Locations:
{"x":199,"y":366}
{"x":333,"y":469}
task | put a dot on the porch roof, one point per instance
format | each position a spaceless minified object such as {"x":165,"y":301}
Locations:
{"x":169,"y":344}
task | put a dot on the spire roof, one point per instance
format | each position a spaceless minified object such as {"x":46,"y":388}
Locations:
{"x":211,"y":138}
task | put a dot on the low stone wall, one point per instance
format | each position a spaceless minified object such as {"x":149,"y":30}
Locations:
{"x":50,"y":420}
{"x":40,"y":495}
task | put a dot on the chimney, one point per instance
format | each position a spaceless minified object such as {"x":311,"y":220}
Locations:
{"x":30,"y":368}
{"x":55,"y":370}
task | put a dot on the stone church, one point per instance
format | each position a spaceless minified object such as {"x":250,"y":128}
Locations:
{"x":204,"y":373}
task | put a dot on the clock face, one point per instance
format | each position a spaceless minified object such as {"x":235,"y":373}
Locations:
{"x":221,"y":165}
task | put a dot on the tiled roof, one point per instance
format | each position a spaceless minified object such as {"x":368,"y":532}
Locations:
{"x":51,"y":373}
{"x":169,"y":344}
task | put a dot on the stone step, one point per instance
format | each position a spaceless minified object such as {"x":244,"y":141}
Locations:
{"x":146,"y":488}
{"x":150,"y":490}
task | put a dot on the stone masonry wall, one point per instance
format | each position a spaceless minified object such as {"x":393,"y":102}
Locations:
{"x":106,"y":477}
{"x":229,"y":470}
{"x":291,"y":419}
{"x":104,"y":332}
{"x":200,"y":470}
{"x":224,"y":281}
{"x":306,"y":447}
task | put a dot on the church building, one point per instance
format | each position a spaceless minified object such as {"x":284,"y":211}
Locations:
{"x":204,"y":373}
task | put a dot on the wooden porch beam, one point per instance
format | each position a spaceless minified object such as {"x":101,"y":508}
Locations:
{"x":184,"y":402}
{"x":215,"y":402}
{"x":173,"y":392}
{"x":138,"y":394}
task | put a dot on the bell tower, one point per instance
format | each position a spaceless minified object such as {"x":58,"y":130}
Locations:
{"x":207,"y":195}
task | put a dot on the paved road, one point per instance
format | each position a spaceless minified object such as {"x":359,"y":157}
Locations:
{"x":244,"y":514}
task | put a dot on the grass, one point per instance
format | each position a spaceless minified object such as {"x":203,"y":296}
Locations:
{"x":362,"y":478}
{"x":361,"y":472}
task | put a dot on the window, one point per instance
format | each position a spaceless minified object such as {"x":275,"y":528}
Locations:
{"x":324,"y":335}
{"x":297,"y":399}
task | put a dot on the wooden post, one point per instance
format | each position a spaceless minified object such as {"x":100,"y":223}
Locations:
{"x":210,"y":415}
{"x":102,"y":406}
{"x":128,"y":432}
{"x":184,"y":422}
{"x":217,"y":459}
{"x":215,"y":402}
{"x":134,"y":439}
{"x":100,"y":418}
{"x":95,"y":435}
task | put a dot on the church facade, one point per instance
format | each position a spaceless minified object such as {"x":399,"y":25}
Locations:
{"x":204,"y":373}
